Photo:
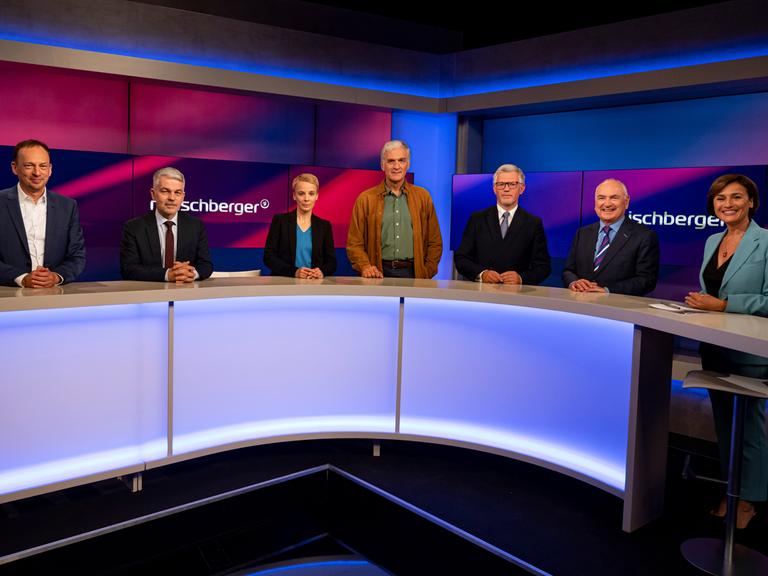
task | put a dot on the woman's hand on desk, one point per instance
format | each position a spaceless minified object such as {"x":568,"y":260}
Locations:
{"x":705,"y":302}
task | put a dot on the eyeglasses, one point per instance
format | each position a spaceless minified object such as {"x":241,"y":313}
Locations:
{"x":510,"y":185}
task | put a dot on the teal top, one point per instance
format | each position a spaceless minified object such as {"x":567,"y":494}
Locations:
{"x":303,"y":248}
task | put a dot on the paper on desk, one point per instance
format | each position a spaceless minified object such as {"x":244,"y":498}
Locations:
{"x":675,"y":307}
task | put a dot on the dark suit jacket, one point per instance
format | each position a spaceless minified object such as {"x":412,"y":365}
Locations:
{"x":630,"y":265}
{"x":524,"y":249}
{"x":280,"y":249}
{"x":140,"y":248}
{"x":64,"y":244}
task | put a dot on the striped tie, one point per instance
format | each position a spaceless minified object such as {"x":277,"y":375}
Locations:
{"x":603,"y":247}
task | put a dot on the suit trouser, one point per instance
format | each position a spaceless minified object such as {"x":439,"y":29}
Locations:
{"x":754,"y":473}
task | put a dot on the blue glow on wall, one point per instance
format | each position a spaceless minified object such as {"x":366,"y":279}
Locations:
{"x":515,"y":80}
{"x":432,"y":139}
{"x":432,"y":87}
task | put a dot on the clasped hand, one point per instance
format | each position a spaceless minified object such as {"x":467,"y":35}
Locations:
{"x":181,"y":272}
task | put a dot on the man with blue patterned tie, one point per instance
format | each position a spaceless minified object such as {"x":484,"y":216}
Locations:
{"x":504,"y":244}
{"x":615,"y":254}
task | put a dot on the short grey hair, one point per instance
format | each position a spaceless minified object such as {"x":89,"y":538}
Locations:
{"x":167,"y":172}
{"x":616,"y":181}
{"x":508,"y":168}
{"x":392,"y":145}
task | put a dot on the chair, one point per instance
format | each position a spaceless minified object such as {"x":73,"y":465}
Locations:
{"x":239,"y":274}
{"x":713,"y":555}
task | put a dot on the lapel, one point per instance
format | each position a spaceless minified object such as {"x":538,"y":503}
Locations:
{"x":292,"y":223}
{"x":14,"y":212}
{"x":747,"y":245}
{"x":515,"y":225}
{"x":315,"y":241}
{"x":153,"y":238}
{"x":492,"y":221}
{"x":52,"y":210}
{"x":589,"y":242}
{"x":622,"y":236}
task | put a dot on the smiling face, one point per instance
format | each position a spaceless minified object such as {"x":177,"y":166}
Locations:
{"x":305,"y":195}
{"x":611,"y":201}
{"x":732,"y":204}
{"x":508,"y":189}
{"x":33,"y":168}
{"x":168,"y":196}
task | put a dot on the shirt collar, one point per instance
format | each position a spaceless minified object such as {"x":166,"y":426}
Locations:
{"x":162,"y":219}
{"x":23,"y":197}
{"x":501,"y":211}
{"x":403,"y":190}
{"x":615,"y":226}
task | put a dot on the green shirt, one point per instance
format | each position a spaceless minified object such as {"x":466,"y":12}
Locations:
{"x":396,"y":227}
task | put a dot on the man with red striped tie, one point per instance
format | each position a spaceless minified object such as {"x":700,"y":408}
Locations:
{"x":615,"y":254}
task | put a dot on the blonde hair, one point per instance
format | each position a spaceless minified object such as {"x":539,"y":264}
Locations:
{"x":306,"y":177}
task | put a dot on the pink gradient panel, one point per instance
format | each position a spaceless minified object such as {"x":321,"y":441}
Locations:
{"x":197,"y":123}
{"x":65,"y":109}
{"x":351,"y":136}
{"x":236,"y":200}
{"x":339,"y":188}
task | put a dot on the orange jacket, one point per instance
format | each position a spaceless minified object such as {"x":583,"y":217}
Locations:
{"x":364,"y":238}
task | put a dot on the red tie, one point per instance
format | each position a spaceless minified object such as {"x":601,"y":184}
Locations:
{"x":168,"y":244}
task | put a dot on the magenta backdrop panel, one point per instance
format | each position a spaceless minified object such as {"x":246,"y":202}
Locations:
{"x":197,"y":123}
{"x":65,"y":109}
{"x":236,"y":200}
{"x":351,"y":136}
{"x":339,"y":188}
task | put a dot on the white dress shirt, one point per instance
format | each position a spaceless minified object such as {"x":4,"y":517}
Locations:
{"x":34,"y":215}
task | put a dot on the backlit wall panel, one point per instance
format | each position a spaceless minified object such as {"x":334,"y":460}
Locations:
{"x":331,"y":355}
{"x":236,"y":200}
{"x":199,"y":123}
{"x":501,"y":388}
{"x":350,"y":136}
{"x":69,"y":110}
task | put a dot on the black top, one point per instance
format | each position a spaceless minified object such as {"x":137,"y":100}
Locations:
{"x":713,"y":276}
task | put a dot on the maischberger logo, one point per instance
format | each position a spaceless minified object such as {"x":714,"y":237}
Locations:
{"x":212,"y":206}
{"x":697,"y":221}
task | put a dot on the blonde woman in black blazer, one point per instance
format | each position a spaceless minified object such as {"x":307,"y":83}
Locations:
{"x":300,"y":244}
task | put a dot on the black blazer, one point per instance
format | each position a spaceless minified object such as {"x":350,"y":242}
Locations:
{"x":280,"y":249}
{"x":630,"y":265}
{"x":524,"y":249}
{"x":64,"y":245}
{"x":140,"y":248}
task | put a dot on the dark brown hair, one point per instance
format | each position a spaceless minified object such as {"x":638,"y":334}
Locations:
{"x":726,"y":179}
{"x":29,"y":144}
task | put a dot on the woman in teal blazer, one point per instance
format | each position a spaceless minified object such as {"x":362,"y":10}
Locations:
{"x":734,"y":278}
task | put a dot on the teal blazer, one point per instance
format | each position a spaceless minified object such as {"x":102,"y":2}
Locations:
{"x":745,"y":284}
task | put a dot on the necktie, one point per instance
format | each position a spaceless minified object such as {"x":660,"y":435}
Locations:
{"x":504,"y":224}
{"x":603,"y":247}
{"x":168,"y":244}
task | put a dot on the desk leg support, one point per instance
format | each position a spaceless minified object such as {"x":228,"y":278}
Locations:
{"x":648,"y":432}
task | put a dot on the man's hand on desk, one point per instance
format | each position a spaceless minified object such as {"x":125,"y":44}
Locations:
{"x":181,"y":272}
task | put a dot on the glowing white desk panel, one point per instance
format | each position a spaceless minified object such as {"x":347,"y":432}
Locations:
{"x":247,"y":368}
{"x":242,"y":346}
{"x":83,"y":391}
{"x":552,"y":387}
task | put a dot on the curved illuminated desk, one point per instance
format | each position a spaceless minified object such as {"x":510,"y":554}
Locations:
{"x":106,"y":379}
